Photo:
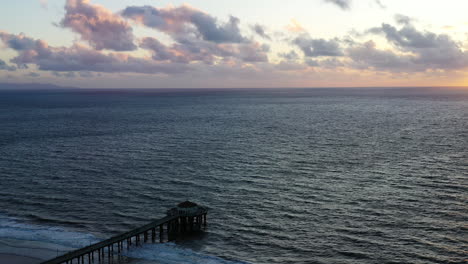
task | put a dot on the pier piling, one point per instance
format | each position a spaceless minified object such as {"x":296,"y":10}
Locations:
{"x":186,"y":217}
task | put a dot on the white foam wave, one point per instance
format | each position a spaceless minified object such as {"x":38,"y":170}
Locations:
{"x":11,"y":228}
{"x":31,"y":240}
{"x":170,"y":253}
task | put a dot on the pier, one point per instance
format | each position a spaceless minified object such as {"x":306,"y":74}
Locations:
{"x":185,"y":218}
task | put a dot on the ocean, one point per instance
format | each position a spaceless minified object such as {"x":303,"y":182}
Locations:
{"x":289,"y":175}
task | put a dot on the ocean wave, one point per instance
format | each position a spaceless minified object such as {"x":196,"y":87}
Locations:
{"x":11,"y":228}
{"x":40,"y":237}
{"x":170,"y":253}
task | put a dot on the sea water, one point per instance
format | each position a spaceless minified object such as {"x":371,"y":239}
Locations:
{"x":289,"y":175}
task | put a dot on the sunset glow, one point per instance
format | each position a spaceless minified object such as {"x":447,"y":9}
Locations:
{"x":320,"y":43}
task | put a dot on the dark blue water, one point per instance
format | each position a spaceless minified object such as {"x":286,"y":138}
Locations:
{"x":291,"y":176}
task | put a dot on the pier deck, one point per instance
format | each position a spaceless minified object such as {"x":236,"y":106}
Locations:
{"x":176,"y":223}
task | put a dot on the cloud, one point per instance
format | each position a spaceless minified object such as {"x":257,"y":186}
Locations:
{"x":253,"y":52}
{"x":343,"y":4}
{"x":290,"y":66}
{"x":206,"y":25}
{"x":290,"y":56}
{"x":65,"y":74}
{"x":187,"y":50}
{"x":295,"y":27}
{"x":82,"y":58}
{"x":413,"y":50}
{"x":83,"y":74}
{"x":329,"y":63}
{"x":197,"y":36}
{"x":380,"y":4}
{"x":17,"y":42}
{"x":318,"y":47}
{"x":403,"y":20}
{"x":163,"y":53}
{"x":367,"y":56}
{"x":312,"y":63}
{"x":186,"y":20}
{"x":199,"y":44}
{"x":33,"y":74}
{"x":97,"y":25}
{"x":260,"y":30}
{"x":346,"y":4}
{"x":4,"y":66}
{"x":436,"y":51}
{"x":86,"y":74}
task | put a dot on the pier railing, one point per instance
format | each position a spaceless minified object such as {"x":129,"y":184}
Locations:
{"x":162,"y":230}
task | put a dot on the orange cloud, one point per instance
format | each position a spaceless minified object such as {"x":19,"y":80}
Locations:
{"x":295,"y":26}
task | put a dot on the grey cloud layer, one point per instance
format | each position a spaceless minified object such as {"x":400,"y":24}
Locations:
{"x":17,"y":42}
{"x":200,"y":42}
{"x":105,"y":30}
{"x":318,"y":47}
{"x":346,"y":4}
{"x":419,"y":50}
{"x":367,"y":56}
{"x":198,"y":36}
{"x":4,"y":66}
{"x":186,"y":20}
{"x":260,"y":30}
{"x":81,"y":58}
{"x":343,"y":4}
{"x":188,"y":50}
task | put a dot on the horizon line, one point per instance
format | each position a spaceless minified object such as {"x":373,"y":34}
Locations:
{"x":55,"y":86}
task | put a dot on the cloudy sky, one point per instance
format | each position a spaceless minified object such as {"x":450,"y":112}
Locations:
{"x":242,"y":43}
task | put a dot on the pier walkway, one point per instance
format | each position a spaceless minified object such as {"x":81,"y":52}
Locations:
{"x":185,"y":218}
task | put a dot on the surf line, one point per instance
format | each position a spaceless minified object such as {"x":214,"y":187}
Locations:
{"x":187,"y":217}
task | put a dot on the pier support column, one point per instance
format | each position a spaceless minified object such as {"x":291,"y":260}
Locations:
{"x":153,"y":235}
{"x":182,"y":224}
{"x":168,"y":231}
{"x":145,"y":235}
{"x":185,"y":223}
{"x":161,"y":233}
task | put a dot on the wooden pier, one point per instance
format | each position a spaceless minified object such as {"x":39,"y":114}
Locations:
{"x":186,"y":217}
